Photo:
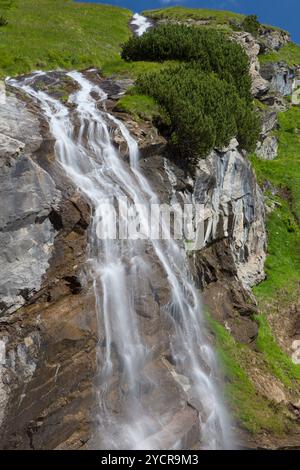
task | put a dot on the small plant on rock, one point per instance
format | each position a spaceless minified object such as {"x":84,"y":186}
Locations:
{"x":3,"y":21}
{"x":251,"y":25}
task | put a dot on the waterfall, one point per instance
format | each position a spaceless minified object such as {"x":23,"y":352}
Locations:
{"x":141,"y":24}
{"x":118,"y":269}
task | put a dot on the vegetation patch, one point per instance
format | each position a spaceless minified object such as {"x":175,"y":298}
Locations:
{"x":289,"y":53}
{"x":3,"y":21}
{"x":139,"y":106}
{"x":207,"y":99}
{"x":253,"y":411}
{"x":251,"y":25}
{"x":281,"y":180}
{"x":120,"y":68}
{"x":212,"y":51}
{"x":280,"y":365}
{"x":283,"y":174}
{"x":225,"y":21}
{"x":214,"y":17}
{"x":51,"y":34}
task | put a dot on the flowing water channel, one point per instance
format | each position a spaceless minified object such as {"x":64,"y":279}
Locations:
{"x":118,"y":267}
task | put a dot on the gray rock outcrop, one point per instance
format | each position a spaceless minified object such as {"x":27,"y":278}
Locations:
{"x":42,"y":244}
{"x":49,"y":366}
{"x":252,"y":48}
{"x":267,"y":146}
{"x":281,"y":77}
{"x":227,"y":187}
{"x":28,"y":194}
{"x":273,"y":39}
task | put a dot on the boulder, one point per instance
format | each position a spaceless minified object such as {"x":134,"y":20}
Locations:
{"x":267,"y":149}
{"x":273,"y":39}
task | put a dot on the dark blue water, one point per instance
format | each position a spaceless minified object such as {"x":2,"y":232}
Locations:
{"x":282,"y":13}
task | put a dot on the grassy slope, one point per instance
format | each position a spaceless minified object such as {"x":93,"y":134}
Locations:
{"x":290,"y":53}
{"x":255,"y":412}
{"x":48,"y":34}
{"x":283,"y":263}
{"x":280,"y":288}
{"x":140,"y":106}
{"x":216,"y":17}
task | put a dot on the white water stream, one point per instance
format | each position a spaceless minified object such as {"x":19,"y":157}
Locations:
{"x":141,"y":24}
{"x":117,"y":269}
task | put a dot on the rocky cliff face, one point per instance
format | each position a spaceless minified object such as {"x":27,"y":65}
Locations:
{"x":271,"y":82}
{"x":47,"y":323}
{"x":48,"y":332}
{"x":235,"y":239}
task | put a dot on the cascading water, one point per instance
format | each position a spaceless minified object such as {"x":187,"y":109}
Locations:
{"x":118,"y":268}
{"x":141,"y":24}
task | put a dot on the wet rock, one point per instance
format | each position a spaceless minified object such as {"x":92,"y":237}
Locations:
{"x":47,"y":347}
{"x":184,"y":426}
{"x":27,"y":196}
{"x":145,"y":133}
{"x":228,"y":301}
{"x":282,"y":78}
{"x":235,"y":244}
{"x":116,"y":88}
{"x":49,"y":368}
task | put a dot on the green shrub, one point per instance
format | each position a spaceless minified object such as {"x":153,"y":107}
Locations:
{"x":206,"y":97}
{"x":3,"y":21}
{"x":211,"y":49}
{"x":204,"y":111}
{"x":251,"y":25}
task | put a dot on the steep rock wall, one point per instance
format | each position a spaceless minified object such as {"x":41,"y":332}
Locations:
{"x":48,"y":330}
{"x":47,"y":333}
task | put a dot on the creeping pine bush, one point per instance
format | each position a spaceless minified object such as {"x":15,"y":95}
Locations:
{"x":204,"y":111}
{"x":3,"y":20}
{"x":206,"y":96}
{"x":251,"y":25}
{"x":209,"y":48}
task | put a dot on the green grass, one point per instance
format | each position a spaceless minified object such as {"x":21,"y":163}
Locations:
{"x":225,"y":20}
{"x":215,"y":17}
{"x":139,"y":106}
{"x":54,"y":34}
{"x":290,"y":53}
{"x":283,"y":262}
{"x":280,"y":288}
{"x":50,"y":34}
{"x":280,"y":365}
{"x":253,"y":411}
{"x":121,"y":68}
